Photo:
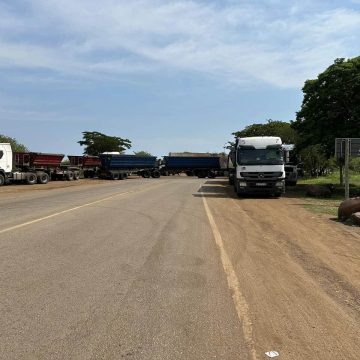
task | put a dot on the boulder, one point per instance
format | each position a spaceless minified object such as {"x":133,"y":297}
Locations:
{"x":318,"y":191}
{"x":348,"y":207}
{"x":355,"y":218}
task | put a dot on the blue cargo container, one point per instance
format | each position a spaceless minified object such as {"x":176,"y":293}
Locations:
{"x":193,"y":165}
{"x":120,"y":166}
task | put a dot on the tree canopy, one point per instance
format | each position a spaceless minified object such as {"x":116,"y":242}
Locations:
{"x":142,"y":153}
{"x":96,"y":143}
{"x":331,"y":106}
{"x":15,"y":145}
{"x":271,"y":128}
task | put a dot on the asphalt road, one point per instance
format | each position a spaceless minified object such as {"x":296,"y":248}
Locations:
{"x":173,"y":268}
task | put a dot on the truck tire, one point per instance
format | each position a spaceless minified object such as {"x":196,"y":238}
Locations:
{"x":115,"y":176}
{"x":211,"y":175}
{"x":201,"y":174}
{"x":122,"y":176}
{"x":155,"y":174}
{"x":69,"y":176}
{"x":31,"y":178}
{"x":43,"y":178}
{"x":2,"y":180}
{"x":145,"y":174}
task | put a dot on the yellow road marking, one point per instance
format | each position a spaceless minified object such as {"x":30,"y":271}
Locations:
{"x":241,"y":306}
{"x":78,"y":207}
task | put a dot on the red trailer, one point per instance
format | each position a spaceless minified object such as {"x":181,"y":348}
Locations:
{"x":45,"y":166}
{"x":89,"y":164}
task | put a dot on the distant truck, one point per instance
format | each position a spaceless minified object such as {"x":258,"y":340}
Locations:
{"x":291,"y":165}
{"x":200,"y":166}
{"x":258,"y":166}
{"x":119,"y":167}
{"x":33,"y":167}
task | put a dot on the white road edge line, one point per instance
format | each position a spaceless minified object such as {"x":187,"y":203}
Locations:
{"x":75,"y":208}
{"x":241,"y":306}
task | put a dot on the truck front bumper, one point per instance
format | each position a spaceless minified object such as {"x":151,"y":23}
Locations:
{"x":261,"y":187}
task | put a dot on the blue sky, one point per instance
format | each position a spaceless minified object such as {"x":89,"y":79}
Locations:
{"x":169,"y":75}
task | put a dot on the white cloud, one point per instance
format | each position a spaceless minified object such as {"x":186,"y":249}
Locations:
{"x":254,"y":41}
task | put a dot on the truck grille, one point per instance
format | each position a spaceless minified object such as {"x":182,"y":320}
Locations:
{"x":269,"y":175}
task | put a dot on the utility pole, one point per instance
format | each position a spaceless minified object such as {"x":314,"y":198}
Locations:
{"x":347,"y":158}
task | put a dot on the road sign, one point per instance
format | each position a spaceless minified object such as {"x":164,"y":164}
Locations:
{"x":354,"y":147}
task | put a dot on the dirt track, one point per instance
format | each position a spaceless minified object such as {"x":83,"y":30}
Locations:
{"x":299,"y":273}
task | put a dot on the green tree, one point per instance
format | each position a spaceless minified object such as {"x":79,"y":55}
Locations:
{"x":314,"y":160}
{"x":15,"y":145}
{"x":142,"y":153}
{"x":271,"y":128}
{"x":331,"y":106}
{"x":96,"y":143}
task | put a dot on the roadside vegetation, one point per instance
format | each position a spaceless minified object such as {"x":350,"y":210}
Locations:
{"x":325,"y":205}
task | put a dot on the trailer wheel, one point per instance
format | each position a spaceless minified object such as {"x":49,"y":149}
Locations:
{"x":43,"y":178}
{"x":155,"y":174}
{"x":115,"y":176}
{"x":69,"y":176}
{"x":211,"y":174}
{"x":122,"y":176}
{"x":2,"y":179}
{"x":145,"y":174}
{"x":201,"y":174}
{"x":31,"y":178}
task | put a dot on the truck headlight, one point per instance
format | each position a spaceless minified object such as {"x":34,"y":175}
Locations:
{"x":242,"y":184}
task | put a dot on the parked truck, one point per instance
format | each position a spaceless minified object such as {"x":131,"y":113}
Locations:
{"x":200,"y":166}
{"x":88,"y":164}
{"x":119,"y":167}
{"x":291,"y":165}
{"x":258,"y":166}
{"x":33,"y":167}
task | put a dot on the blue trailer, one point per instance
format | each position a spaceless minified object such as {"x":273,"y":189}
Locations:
{"x":114,"y":166}
{"x":200,"y":166}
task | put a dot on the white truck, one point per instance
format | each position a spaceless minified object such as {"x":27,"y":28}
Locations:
{"x":258,"y":166}
{"x":33,"y":167}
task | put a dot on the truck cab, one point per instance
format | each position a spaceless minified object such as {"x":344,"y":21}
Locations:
{"x":6,"y":161}
{"x":258,"y":166}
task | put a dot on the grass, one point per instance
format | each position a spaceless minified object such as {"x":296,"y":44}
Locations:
{"x":328,"y":206}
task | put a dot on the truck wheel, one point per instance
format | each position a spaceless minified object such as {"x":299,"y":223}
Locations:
{"x":211,"y":175}
{"x":69,"y":176}
{"x":115,"y":176}
{"x":43,"y":178}
{"x":31,"y":178}
{"x":155,"y":174}
{"x":122,"y":176}
{"x":146,"y":174}
{"x":201,"y":174}
{"x":231,"y":180}
{"x":2,"y":179}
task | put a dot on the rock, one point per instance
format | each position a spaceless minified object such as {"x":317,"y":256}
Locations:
{"x":348,"y":207}
{"x":355,"y":218}
{"x":318,"y":191}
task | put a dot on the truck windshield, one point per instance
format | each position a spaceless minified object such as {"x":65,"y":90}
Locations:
{"x":272,"y":156}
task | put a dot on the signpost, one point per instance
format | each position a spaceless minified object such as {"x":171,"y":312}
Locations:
{"x":344,"y":149}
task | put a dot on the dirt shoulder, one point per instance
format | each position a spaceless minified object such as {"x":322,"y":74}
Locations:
{"x":299,"y":273}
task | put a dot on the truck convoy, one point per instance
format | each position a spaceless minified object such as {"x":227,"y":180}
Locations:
{"x":33,"y":167}
{"x":258,"y":166}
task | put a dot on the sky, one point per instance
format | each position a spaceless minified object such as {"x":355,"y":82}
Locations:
{"x":170,"y":75}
